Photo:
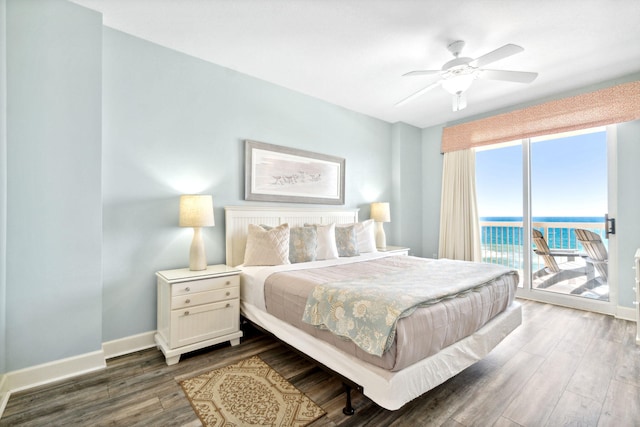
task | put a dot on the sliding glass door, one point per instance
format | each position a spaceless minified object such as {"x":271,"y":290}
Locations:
{"x":499,"y":188}
{"x":568,"y":202}
{"x":542,"y":204}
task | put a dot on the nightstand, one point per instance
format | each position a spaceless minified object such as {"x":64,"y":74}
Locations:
{"x":197,"y":309}
{"x":400,"y":250}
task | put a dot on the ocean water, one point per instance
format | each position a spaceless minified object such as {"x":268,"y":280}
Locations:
{"x":560,"y":237}
{"x":546,"y":218}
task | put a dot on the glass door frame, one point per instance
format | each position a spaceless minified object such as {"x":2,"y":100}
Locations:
{"x":527,"y":291}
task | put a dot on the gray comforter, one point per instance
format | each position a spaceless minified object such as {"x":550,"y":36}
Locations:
{"x":425,"y":332}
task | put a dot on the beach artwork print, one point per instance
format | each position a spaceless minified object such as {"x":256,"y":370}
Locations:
{"x":281,"y":174}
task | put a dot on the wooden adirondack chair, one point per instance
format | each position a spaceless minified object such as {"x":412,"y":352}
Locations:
{"x":548,"y":255}
{"x":595,"y":250}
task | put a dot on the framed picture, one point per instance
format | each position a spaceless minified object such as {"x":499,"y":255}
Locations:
{"x":280,"y":174}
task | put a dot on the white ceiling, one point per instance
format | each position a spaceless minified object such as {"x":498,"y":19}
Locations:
{"x":352,"y":53}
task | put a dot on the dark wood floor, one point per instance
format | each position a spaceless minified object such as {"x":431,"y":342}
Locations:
{"x":561,"y":367}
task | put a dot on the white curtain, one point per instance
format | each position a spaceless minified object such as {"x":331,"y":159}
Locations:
{"x":459,"y":222}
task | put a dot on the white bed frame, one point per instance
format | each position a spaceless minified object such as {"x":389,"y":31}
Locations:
{"x":391,"y":390}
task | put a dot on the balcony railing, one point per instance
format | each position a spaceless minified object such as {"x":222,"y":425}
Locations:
{"x":502,"y":242}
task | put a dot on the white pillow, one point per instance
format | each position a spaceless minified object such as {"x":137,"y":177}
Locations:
{"x":365,"y":234}
{"x":267,"y":247}
{"x":327,"y":248}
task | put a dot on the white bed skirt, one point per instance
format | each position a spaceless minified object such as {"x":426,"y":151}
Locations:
{"x":391,"y":390}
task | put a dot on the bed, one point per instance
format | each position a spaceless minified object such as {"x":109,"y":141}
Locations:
{"x":402,"y":372}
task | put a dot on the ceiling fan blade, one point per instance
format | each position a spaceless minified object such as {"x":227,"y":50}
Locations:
{"x":496,"y":55}
{"x":420,"y":73}
{"x":511,"y":76}
{"x":418,"y":93}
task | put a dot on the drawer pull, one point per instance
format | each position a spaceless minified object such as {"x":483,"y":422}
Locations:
{"x":187,"y":301}
{"x":186,"y":313}
{"x":187,"y":289}
{"x":228,"y":282}
{"x":228,"y":305}
{"x":228,"y":293}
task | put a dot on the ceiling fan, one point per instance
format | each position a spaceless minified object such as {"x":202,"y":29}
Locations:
{"x":457,"y":75}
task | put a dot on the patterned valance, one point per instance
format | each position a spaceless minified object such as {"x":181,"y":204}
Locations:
{"x":607,"y":106}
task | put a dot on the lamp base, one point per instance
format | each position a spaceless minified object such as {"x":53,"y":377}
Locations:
{"x":381,"y":239}
{"x":197,"y":257}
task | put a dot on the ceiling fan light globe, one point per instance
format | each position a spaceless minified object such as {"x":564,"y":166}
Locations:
{"x":458,"y":84}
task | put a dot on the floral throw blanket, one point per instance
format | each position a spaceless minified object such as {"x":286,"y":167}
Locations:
{"x":366,"y":309}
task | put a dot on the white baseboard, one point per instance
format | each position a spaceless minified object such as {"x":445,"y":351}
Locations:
{"x":57,"y":370}
{"x":128,"y":345}
{"x":65,"y":368}
{"x":4,"y":392}
{"x":626,"y":313}
{"x":34,"y":376}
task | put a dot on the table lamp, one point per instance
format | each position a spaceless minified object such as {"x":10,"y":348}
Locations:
{"x":196,"y":211}
{"x":380,"y":214}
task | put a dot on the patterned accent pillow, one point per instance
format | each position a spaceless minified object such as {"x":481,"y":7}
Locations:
{"x":346,"y":241}
{"x":303,"y":242}
{"x":365,"y":233}
{"x":267,"y":247}
{"x":327,"y":248}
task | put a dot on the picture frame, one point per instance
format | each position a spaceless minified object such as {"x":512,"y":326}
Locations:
{"x":274,"y":173}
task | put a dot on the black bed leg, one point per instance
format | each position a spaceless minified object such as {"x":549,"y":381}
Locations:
{"x":348,"y":409}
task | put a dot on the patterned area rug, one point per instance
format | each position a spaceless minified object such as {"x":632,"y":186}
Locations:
{"x":248,"y":393}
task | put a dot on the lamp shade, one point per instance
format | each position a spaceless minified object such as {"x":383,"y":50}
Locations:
{"x":380,"y":212}
{"x":196,"y":210}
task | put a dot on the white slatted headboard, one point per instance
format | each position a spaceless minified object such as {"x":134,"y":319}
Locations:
{"x":238,"y":218}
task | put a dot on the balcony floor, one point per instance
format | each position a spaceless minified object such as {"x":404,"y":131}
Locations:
{"x":574,"y":278}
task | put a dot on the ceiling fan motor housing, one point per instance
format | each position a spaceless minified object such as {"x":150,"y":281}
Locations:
{"x":458,"y":62}
{"x":456,"y":47}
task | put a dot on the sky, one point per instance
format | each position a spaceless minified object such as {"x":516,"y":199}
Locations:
{"x":568,"y":178}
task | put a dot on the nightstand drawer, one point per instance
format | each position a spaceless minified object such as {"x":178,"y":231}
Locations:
{"x":197,"y":298}
{"x":204,"y":322}
{"x":203,"y":285}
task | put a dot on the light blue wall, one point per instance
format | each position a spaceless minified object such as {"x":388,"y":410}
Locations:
{"x":628,"y":189}
{"x":406,"y":177}
{"x":431,"y":189}
{"x":53,"y":252}
{"x":175,"y":124}
{"x":3,"y":186}
{"x":628,"y":220}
